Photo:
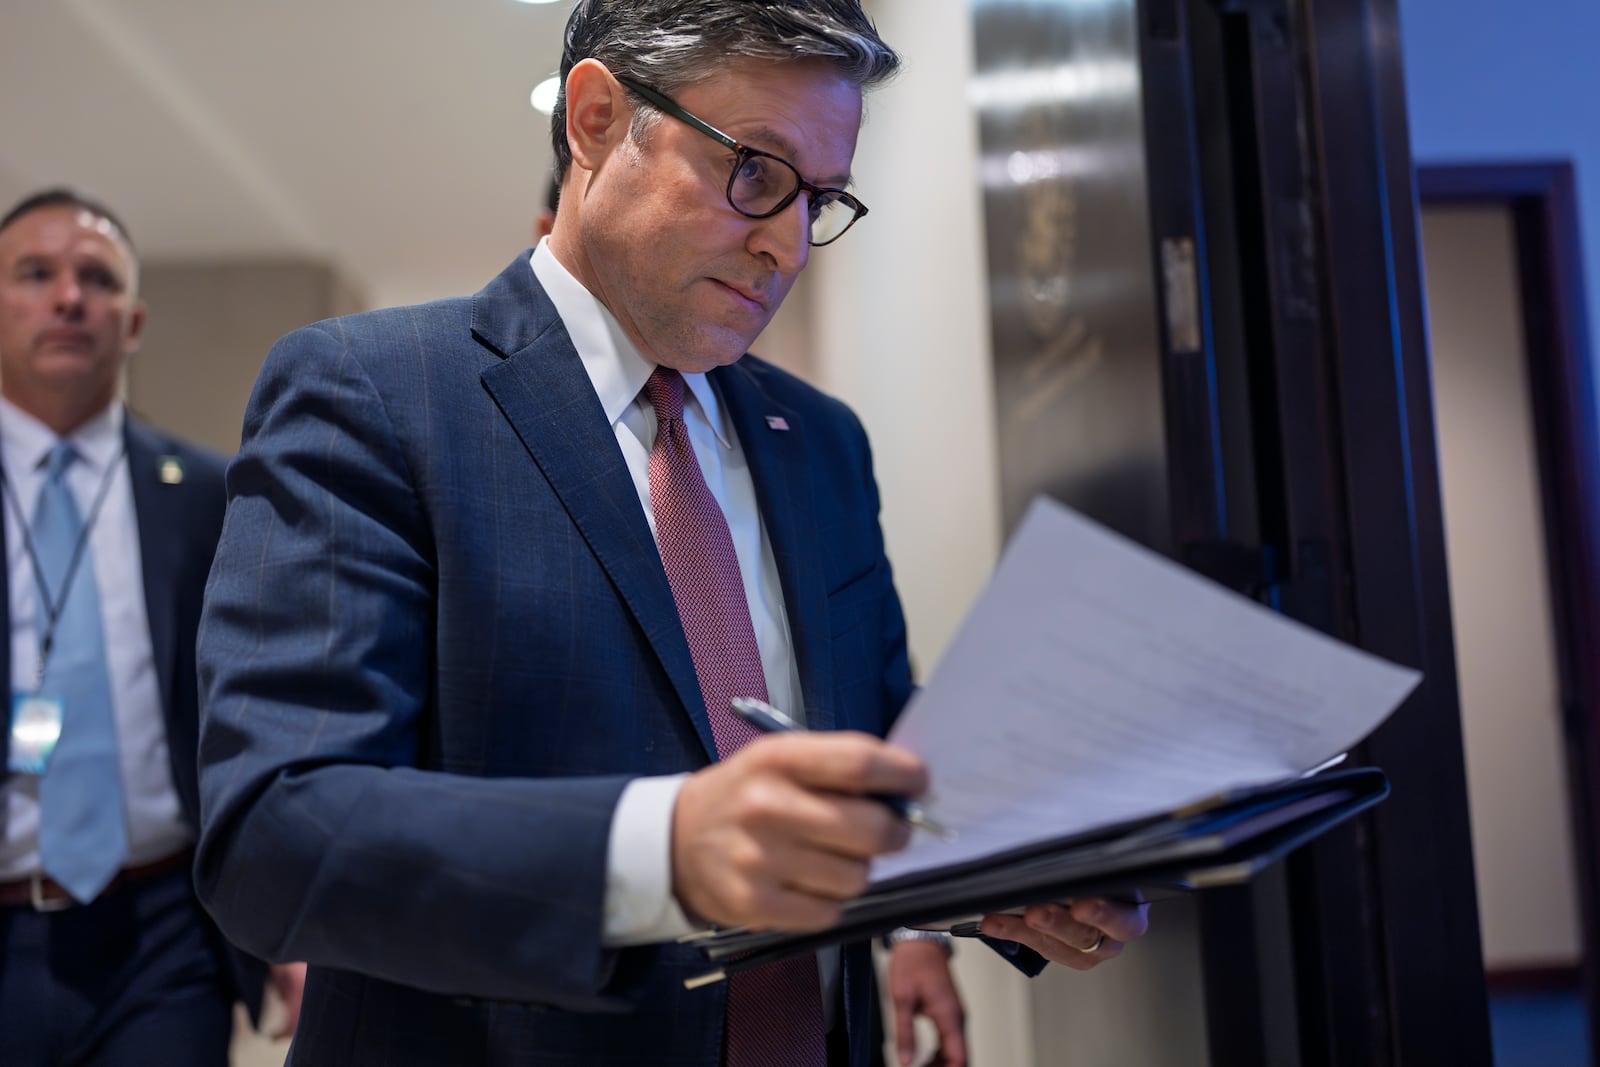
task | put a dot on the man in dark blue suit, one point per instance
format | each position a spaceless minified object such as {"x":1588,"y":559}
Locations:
{"x":105,"y":954}
{"x":492,"y":568}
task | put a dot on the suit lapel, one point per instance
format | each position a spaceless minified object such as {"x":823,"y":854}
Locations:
{"x":159,"y":549}
{"x":545,"y":394}
{"x":780,"y":467}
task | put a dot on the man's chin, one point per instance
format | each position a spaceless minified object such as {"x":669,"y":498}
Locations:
{"x":709,"y":352}
{"x":64,"y":359}
{"x":66,"y":371}
{"x":698,"y":364}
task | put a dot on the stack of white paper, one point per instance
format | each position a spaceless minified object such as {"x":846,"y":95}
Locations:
{"x":1095,"y":681}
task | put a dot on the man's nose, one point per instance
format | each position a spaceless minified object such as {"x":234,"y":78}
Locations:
{"x":68,"y":294}
{"x":786,"y":236}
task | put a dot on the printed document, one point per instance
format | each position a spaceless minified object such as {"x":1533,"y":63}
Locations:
{"x":1095,"y":681}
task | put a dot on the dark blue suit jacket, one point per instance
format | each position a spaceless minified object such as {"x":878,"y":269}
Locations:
{"x":179,"y":523}
{"x":438,"y":641}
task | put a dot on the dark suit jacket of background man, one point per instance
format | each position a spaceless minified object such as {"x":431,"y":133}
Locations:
{"x":179,"y":522}
{"x":439,"y":641}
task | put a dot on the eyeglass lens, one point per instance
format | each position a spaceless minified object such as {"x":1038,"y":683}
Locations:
{"x":761,"y":183}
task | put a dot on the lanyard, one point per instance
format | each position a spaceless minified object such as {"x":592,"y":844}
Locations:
{"x":53,"y":605}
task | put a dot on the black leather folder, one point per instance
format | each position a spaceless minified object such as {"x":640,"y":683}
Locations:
{"x":1224,"y":840}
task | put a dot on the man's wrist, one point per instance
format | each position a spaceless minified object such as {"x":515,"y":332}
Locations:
{"x":639,"y":905}
{"x":904,"y":933}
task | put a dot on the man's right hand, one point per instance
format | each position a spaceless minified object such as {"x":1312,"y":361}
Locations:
{"x":780,"y":834}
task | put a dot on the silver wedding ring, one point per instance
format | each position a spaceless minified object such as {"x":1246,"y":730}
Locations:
{"x":1092,"y":949}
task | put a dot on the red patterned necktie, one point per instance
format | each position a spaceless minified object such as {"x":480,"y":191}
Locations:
{"x":774,"y":1012}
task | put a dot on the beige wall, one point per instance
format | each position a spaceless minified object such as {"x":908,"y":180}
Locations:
{"x":210,"y":326}
{"x":1510,"y":699}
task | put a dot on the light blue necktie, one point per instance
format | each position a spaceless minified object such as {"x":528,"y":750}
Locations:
{"x":83,"y":836}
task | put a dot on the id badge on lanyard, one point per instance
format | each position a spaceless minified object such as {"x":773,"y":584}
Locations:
{"x":35,"y":729}
{"x":36,"y":716}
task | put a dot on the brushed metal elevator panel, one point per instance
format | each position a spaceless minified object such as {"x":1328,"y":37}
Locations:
{"x":1072,"y":291}
{"x":1080,"y":408}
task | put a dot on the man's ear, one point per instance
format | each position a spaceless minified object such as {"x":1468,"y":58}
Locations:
{"x":597,"y":115}
{"x":135,"y":329}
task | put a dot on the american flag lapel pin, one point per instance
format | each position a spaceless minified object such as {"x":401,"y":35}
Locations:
{"x":777,"y":422}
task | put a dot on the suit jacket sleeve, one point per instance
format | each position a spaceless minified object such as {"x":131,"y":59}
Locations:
{"x":321,"y":839}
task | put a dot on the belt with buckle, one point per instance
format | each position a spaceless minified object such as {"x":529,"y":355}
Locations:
{"x":42,"y":893}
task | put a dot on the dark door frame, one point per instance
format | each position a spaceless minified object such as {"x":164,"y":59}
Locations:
{"x":1308,"y":477}
{"x":1545,"y":225}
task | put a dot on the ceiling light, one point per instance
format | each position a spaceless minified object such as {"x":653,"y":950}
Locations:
{"x":543,"y":97}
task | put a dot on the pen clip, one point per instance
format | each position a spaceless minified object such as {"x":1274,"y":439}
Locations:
{"x":764,"y":716}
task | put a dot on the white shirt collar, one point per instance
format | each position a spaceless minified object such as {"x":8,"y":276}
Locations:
{"x":29,"y":441}
{"x":614,"y":364}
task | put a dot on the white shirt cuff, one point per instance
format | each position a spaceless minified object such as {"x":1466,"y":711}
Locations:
{"x":640,"y":907}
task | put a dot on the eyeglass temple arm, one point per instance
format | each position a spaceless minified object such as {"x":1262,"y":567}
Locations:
{"x":679,"y":113}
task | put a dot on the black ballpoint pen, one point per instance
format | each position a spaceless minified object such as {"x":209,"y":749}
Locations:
{"x":769,"y":720}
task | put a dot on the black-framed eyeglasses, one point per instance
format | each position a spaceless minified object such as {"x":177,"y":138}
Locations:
{"x":762,"y":184}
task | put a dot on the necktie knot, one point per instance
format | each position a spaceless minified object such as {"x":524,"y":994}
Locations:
{"x":60,"y":457}
{"x":665,"y":390}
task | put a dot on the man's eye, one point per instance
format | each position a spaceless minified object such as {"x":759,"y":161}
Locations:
{"x":753,"y":171}
{"x":822,"y":202}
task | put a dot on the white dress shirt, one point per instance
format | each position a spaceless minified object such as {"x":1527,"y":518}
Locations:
{"x":156,"y":827}
{"x":639,"y":906}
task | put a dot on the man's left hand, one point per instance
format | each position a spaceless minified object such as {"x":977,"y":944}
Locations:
{"x":288,"y":980}
{"x":920,"y":983}
{"x":1081,"y":936}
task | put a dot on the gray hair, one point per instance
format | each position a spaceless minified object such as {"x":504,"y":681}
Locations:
{"x":668,"y":44}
